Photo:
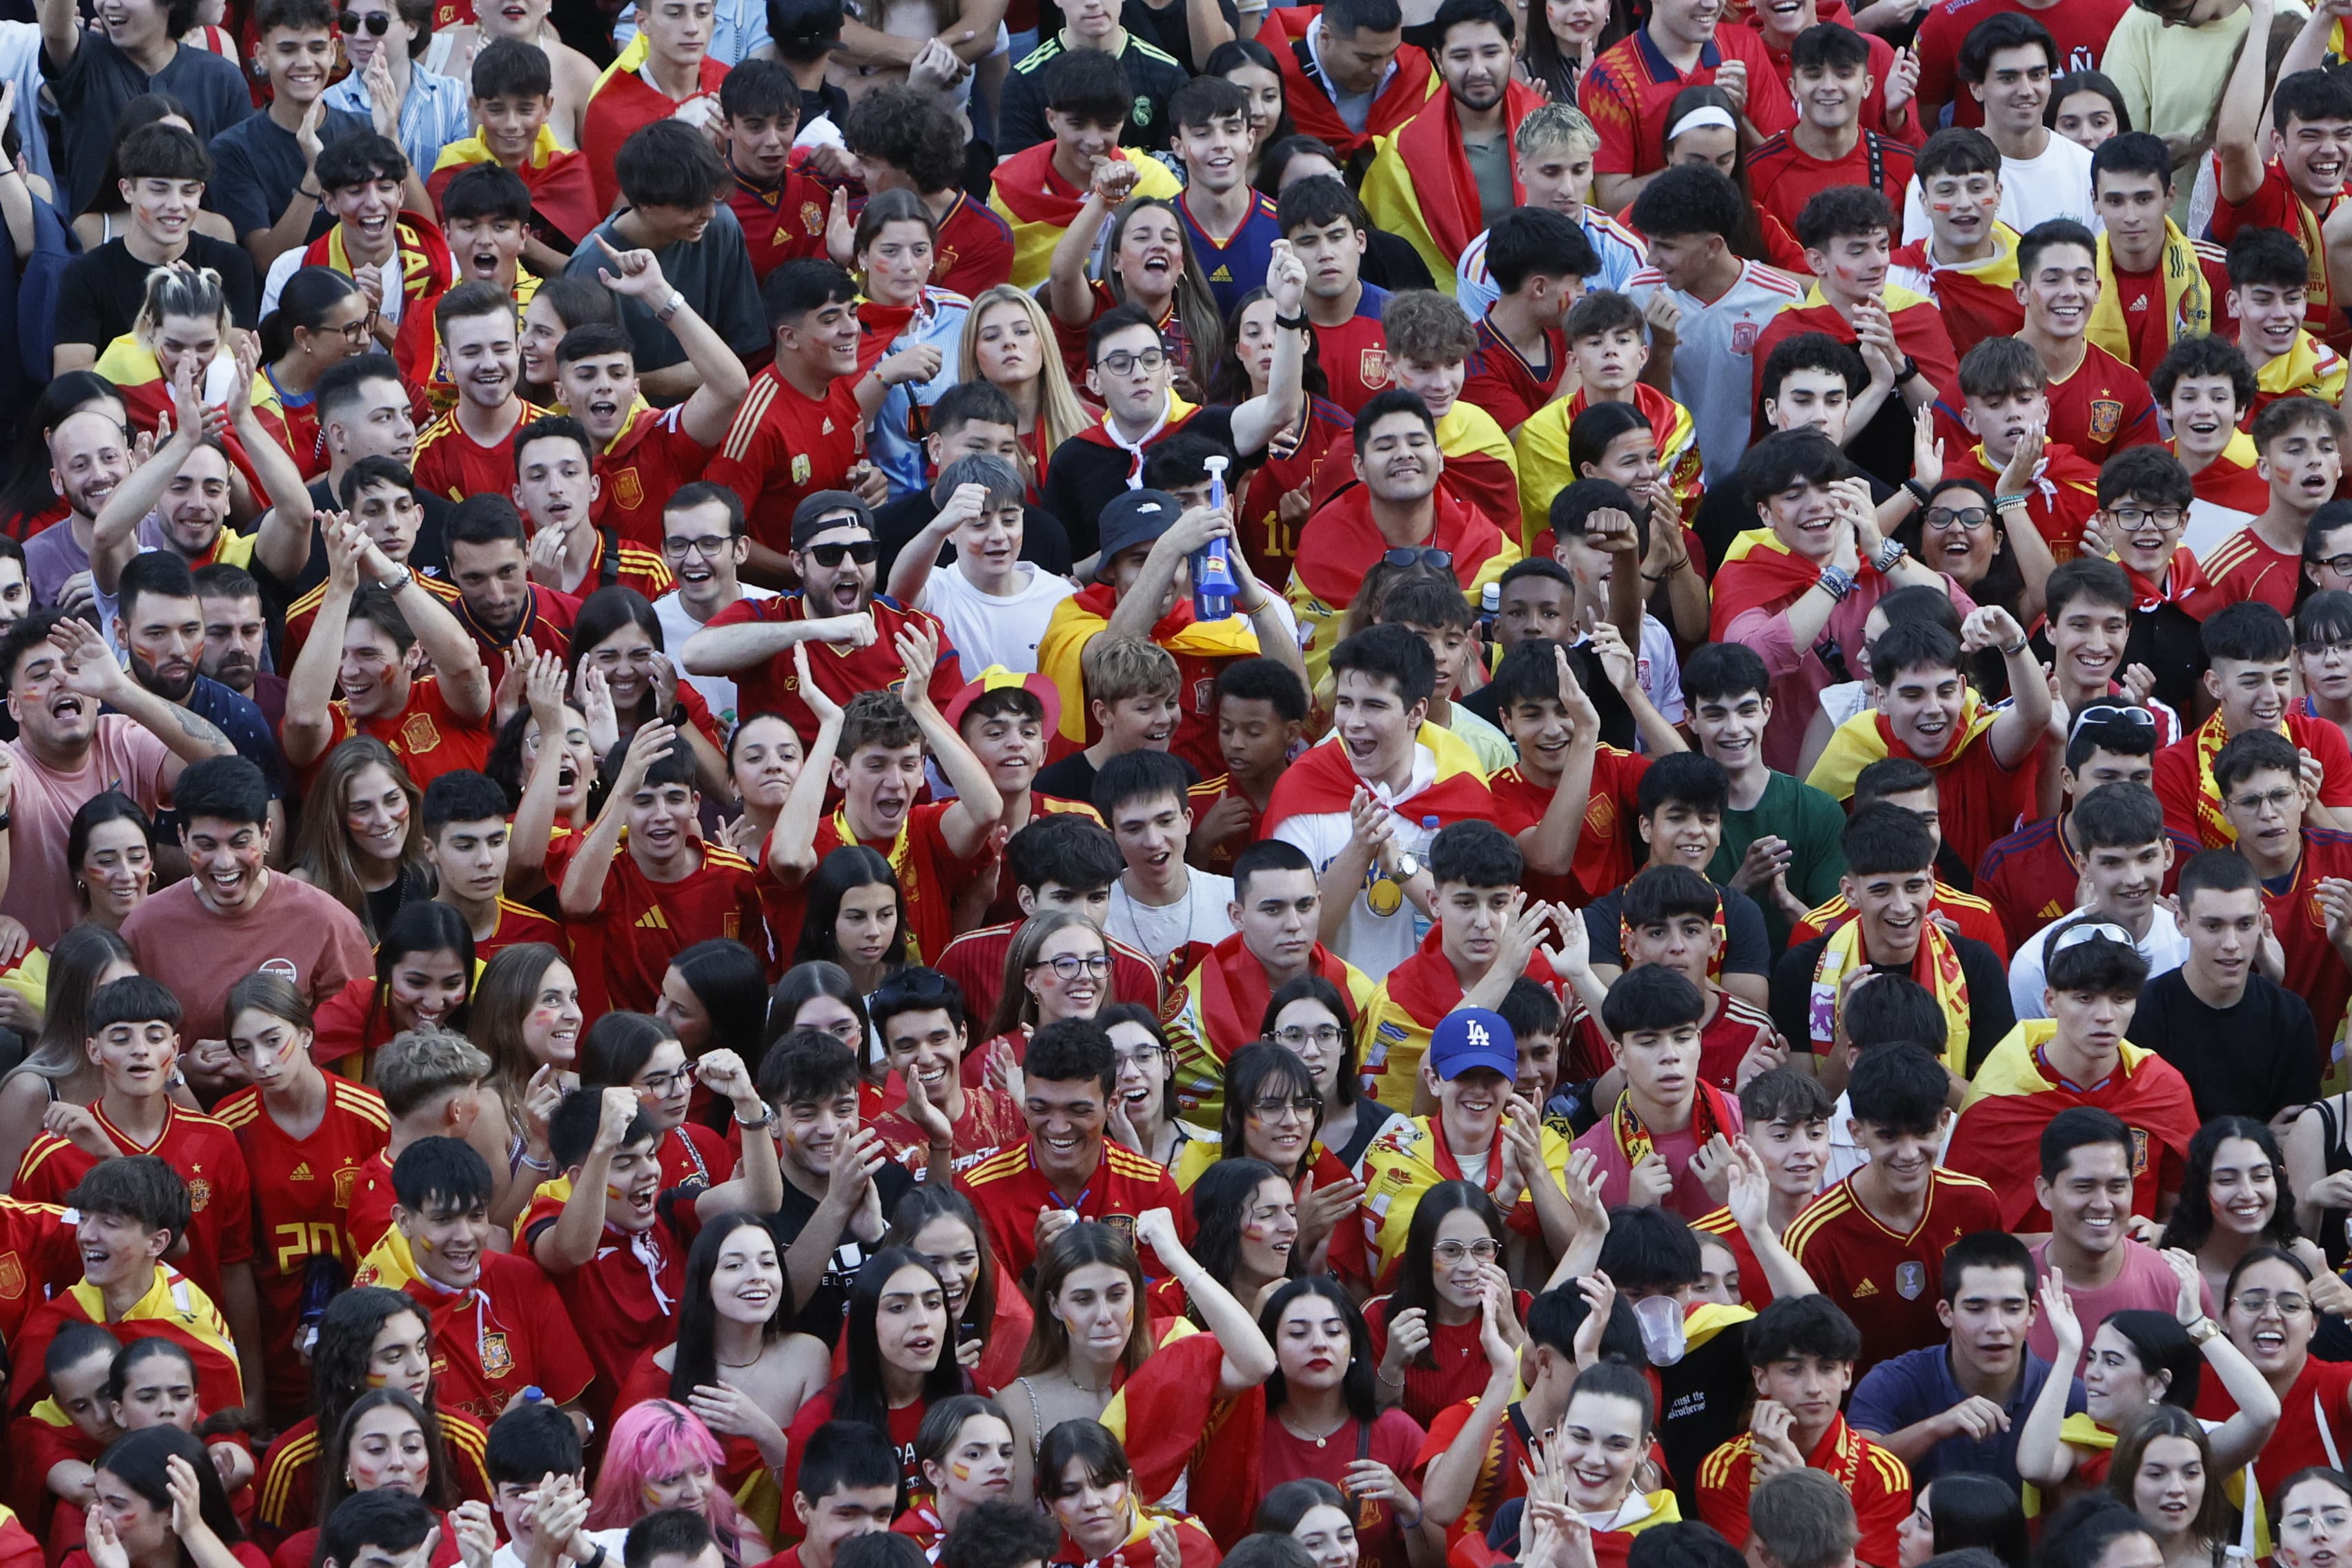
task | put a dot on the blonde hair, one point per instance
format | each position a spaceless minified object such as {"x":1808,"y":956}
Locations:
{"x":180,"y":291}
{"x":1059,"y":411}
{"x":1551,"y":125}
{"x":1115,"y":668}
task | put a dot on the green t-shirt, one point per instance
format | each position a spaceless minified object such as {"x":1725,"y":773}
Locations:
{"x":1811,"y":822}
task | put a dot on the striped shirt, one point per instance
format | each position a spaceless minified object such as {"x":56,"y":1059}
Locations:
{"x":433,"y":114}
{"x":1620,"y":250}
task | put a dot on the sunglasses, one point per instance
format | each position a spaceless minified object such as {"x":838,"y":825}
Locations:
{"x":828,"y":556}
{"x":377,"y":23}
{"x":2111,"y":714}
{"x":1423,"y":555}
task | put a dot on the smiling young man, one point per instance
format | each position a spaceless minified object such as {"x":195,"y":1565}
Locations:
{"x":1889,"y":885}
{"x":1088,"y":103}
{"x":1788,"y":1118}
{"x":2289,"y":176}
{"x":919,"y":1017}
{"x":471,"y":450}
{"x":1876,"y":1240}
{"x":1967,"y":261}
{"x":1553,"y":151}
{"x":399,"y":259}
{"x":1159,"y":906}
{"x":1669,"y":914}
{"x":704,"y":546}
{"x":94,"y":72}
{"x":264,"y":177}
{"x":305,"y":1135}
{"x":2250,"y":654}
{"x":1677,"y":818}
{"x":498,"y":1325}
{"x":1065,"y":1170}
{"x":1802,"y":1353}
{"x":1630,"y":88}
{"x":513,"y":94}
{"x":2268,"y":281}
{"x":1230,"y":222}
{"x":2260,"y":780}
{"x":497,"y":602}
{"x":1929,"y":714}
{"x":2090,"y":1164}
{"x":1831,"y":143}
{"x":1567,"y":798}
{"x":2007,"y":61}
{"x":2076,"y":1058}
{"x":2156,"y":285}
{"x":2245,"y":1042}
{"x":2128,"y":857}
{"x":2098,"y":404}
{"x":2299,"y":443}
{"x":2204,"y":385}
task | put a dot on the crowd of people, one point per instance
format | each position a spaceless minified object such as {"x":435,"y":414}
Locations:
{"x":771,"y":747}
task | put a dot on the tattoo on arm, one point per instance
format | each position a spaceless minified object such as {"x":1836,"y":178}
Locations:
{"x":198,"y":728}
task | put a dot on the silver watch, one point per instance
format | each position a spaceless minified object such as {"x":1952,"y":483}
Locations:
{"x":400,"y":578}
{"x":1408,"y":865}
{"x":1888,"y":555}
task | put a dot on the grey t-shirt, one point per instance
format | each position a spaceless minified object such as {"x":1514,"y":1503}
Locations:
{"x":1490,"y":165}
{"x":715,"y":275}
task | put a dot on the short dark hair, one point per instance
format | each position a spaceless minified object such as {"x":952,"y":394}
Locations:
{"x":1682,"y":778}
{"x":160,"y":151}
{"x":842,"y":1455}
{"x":1899,"y":1086}
{"x":1318,"y":202}
{"x":1111,"y":323}
{"x":672,"y":1533}
{"x":1998,"y":365}
{"x":1064,"y":848}
{"x":509,"y":68}
{"x":1086,"y":84}
{"x":1986,"y":1249}
{"x":554,"y":427}
{"x":2287,"y":414}
{"x":1829,"y":45}
{"x":969,"y":402}
{"x":1390,"y":653}
{"x":1000,"y":1535}
{"x":1666,"y":892}
{"x":1202,"y":102}
{"x":1648,"y":1248}
{"x":2310,"y":95}
{"x":1531,"y":242}
{"x":669,"y":163}
{"x":1649,"y":998}
{"x":2049,"y":234}
{"x":2250,"y":632}
{"x":388,"y":1518}
{"x":1267,"y":680}
{"x":2203,"y":353}
{"x":917,"y":132}
{"x":1882,"y":838}
{"x":1687,"y":199}
{"x":2008,"y":30}
{"x":2078,"y":1127}
{"x":1349,"y":17}
{"x":1890,"y":776}
{"x":914,"y":989}
{"x":1265,"y":856}
{"x":807,"y":1066}
{"x":1787,"y":458}
{"x":2270,"y":256}
{"x":2099,"y":963}
{"x":133,"y":999}
{"x":227,"y":789}
{"x":1074,"y":1049}
{"x":158,"y":573}
{"x":1719,"y":671}
{"x":2256,"y":751}
{"x":533,"y":1439}
{"x":811,"y":283}
{"x":490,"y":517}
{"x":2217,"y":871}
{"x":769,"y":91}
{"x":141,"y":1188}
{"x":1841,"y":212}
{"x":2118,"y":816}
{"x":1136,"y":775}
{"x":488,"y":190}
{"x":1812,"y":350}
{"x":1474,"y":854}
{"x":2119,"y":737}
{"x":1601,"y":310}
{"x":1913,"y":645}
{"x":2150,"y":474}
{"x":2127,"y":152}
{"x":1956,"y":150}
{"x":1890,"y":1009}
{"x":1802,"y":1325}
{"x":447,"y":1168}
{"x":358,"y":158}
{"x":1390,"y":401}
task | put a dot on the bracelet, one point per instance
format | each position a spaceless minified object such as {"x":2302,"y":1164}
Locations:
{"x":536,"y":1164}
{"x":597,"y":1561}
{"x":1672,"y":567}
{"x":1907,"y":370}
{"x":2013,"y":652}
{"x":1838,"y":581}
{"x":1916,"y":490}
{"x":1297,"y":323}
{"x":309,"y":195}
{"x":2002,"y":504}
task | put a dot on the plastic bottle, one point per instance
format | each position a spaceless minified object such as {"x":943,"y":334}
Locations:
{"x":1490,"y":605}
{"x":1215,"y":588}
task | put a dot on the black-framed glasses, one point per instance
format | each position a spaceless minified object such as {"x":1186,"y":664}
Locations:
{"x":1946,"y":519}
{"x":2340,"y":564}
{"x":710,"y":546}
{"x":2131,"y":517}
{"x":358,"y":332}
{"x":1126,"y":363}
{"x":1419,"y":555}
{"x":1069,"y":965}
{"x":829,"y":556}
{"x":377,"y":23}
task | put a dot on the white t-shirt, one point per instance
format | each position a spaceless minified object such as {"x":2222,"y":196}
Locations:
{"x":2164,"y":948}
{"x":612,"y":1540}
{"x":678,"y":625}
{"x":987,"y":629}
{"x":1373,"y":942}
{"x":290,"y":263}
{"x":1160,"y":930}
{"x":2032,"y":190}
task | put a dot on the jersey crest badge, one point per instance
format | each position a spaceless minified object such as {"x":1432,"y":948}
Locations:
{"x":1910,"y":1278}
{"x":498,"y":1359}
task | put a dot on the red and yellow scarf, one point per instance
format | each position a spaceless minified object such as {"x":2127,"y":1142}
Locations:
{"x":1935,"y":965}
{"x":1710,"y":1118}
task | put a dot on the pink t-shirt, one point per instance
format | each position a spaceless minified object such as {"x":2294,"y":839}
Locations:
{"x":295,"y":931}
{"x":2146,"y":1284}
{"x":1799,"y":675}
{"x":122,"y":756}
{"x":1687,"y":1198}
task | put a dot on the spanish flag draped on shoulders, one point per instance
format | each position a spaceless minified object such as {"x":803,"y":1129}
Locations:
{"x":1411,"y":1156}
{"x":2309,"y":369}
{"x":1420,"y":184}
{"x":1545,"y":470}
{"x":1080,"y":619}
{"x":1394,"y":1034}
{"x":1173,"y":1423}
{"x":2187,"y":274}
{"x":2183,"y":780}
{"x":1194,"y":1545}
{"x":622,"y":101}
{"x":1918,"y":325}
{"x":1342,"y":542}
{"x":1975,"y":296}
{"x":137,"y":376}
{"x":1220,"y":1008}
{"x":1759,"y":573}
{"x":563,"y":190}
{"x":173,"y":1309}
{"x":1981,"y":801}
{"x":1998,"y":1138}
{"x":1502,"y":1469}
{"x":1482,"y":469}
{"x":427,"y":271}
{"x":1412,"y":82}
{"x":1028,"y":192}
{"x":292,"y":421}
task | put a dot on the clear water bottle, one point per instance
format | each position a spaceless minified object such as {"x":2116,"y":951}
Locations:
{"x":1215,"y":588}
{"x":1422,"y":923}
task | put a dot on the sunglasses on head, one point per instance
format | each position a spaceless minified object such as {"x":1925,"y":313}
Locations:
{"x":828,"y":556}
{"x":377,"y":23}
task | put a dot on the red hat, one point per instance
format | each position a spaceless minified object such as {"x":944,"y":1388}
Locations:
{"x":997,"y":678}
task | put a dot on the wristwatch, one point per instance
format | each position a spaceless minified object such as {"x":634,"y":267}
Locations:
{"x":1905,"y":371}
{"x":1888,"y":555}
{"x":400,"y":578}
{"x":1297,"y":323}
{"x":1408,"y":866}
{"x":2203,"y":1331}
{"x":767,"y":1119}
{"x":669,"y":307}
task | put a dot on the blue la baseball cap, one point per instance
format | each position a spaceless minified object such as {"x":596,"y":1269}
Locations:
{"x":1471,"y":1037}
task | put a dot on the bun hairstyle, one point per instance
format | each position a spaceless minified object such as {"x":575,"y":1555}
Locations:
{"x":193,"y":292}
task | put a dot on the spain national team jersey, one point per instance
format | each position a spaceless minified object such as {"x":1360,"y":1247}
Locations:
{"x":625,"y":1302}
{"x":303,"y":613}
{"x":2103,"y":408}
{"x":1888,"y":1281}
{"x":2246,"y":566}
{"x":1008,"y":1192}
{"x":783,"y":447}
{"x":546,"y":619}
{"x":2276,"y":204}
{"x":1785,"y":176}
{"x":1235,"y":267}
{"x":928,"y":873}
{"x":451,"y":463}
{"x":786,"y":224}
{"x":519,"y":924}
{"x":621,"y":952}
{"x":369,"y":1214}
{"x":2315,"y":970}
{"x":426,"y":736}
{"x":1629,"y":89}
{"x":1604,"y":844}
{"x":973,"y":252}
{"x":1501,"y":380}
{"x":2033,"y":877}
{"x":1355,"y":354}
{"x":653,"y":458}
{"x":285,"y":1482}
{"x":631,"y":566}
{"x":302,"y":1190}
{"x":510,"y":1332}
{"x":840,"y":672}
{"x":38,"y":1254}
{"x":1878,"y":1482}
{"x":205,"y":1154}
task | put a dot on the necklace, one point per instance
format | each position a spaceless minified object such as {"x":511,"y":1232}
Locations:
{"x":1320,"y":1439}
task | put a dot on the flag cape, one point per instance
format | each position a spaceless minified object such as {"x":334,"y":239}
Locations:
{"x":138,"y":376}
{"x":1758,"y":573}
{"x":1341,"y":542}
{"x":1935,"y":965}
{"x":1482,"y":471}
{"x":1170,"y":1419}
{"x":1078,"y":619}
{"x":427,"y":270}
{"x":2182,"y":577}
{"x":173,"y":1309}
{"x":621,"y":102}
{"x":1398,"y":1020}
{"x":1031,"y":198}
{"x":1918,"y":331}
{"x":1999,"y":1137}
{"x":1975,"y":295}
{"x":2229,"y":480}
{"x":2310,"y":369}
{"x":1866,"y":738}
{"x":1226,"y":996}
{"x":560,"y":189}
{"x":1425,"y":987}
{"x":2188,"y":297}
{"x":1322,"y":781}
{"x":1420,"y":184}
{"x":1284,"y":32}
{"x":1545,"y":469}
{"x":1402,"y":1163}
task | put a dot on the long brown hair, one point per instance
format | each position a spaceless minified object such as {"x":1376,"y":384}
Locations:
{"x":2211,"y":1522}
{"x":1195,"y":306}
{"x":1086,"y":1242}
{"x":1014,"y":1005}
{"x":504,"y":996}
{"x":323,"y":850}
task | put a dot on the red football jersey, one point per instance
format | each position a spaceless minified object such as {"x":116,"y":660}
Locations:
{"x":1501,"y":380}
{"x":1627,"y":91}
{"x":302,"y":1191}
{"x":38,"y":1256}
{"x":1972,"y":916}
{"x":973,"y":252}
{"x":369,"y":1214}
{"x":2315,"y":970}
{"x":2275,"y":204}
{"x":1355,"y":354}
{"x":427,"y":738}
{"x":928,"y":871}
{"x":992,"y":1120}
{"x":841,"y":673}
{"x":2178,"y":783}
{"x":783,"y":447}
{"x":205,"y":1154}
{"x":2244,"y":566}
{"x":653,"y":458}
{"x":625,"y":1302}
{"x":1886,"y":1282}
{"x":2103,"y":408}
{"x":1784,"y":176}
{"x":512,"y":1332}
{"x":286,"y":1481}
{"x":1605,"y":857}
{"x":621,"y":952}
{"x":1878,"y":1482}
{"x":546,"y":620}
{"x":786,"y":224}
{"x":1008,"y":1192}
{"x":519,"y":924}
{"x":451,"y":463}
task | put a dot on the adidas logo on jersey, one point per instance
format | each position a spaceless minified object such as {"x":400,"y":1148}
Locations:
{"x":1222,"y":275}
{"x":301,"y":1173}
{"x":1867,"y":1287}
{"x":653,"y":919}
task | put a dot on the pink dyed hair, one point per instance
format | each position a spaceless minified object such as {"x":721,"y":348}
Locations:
{"x":659,"y":1438}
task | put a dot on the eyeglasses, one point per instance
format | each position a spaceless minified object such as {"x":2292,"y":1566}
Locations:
{"x":658,"y":1084}
{"x":1303,"y":1107}
{"x":1423,"y":555}
{"x":2131,"y":517}
{"x":828,"y":556}
{"x":1126,"y":363}
{"x":1293,"y":1035}
{"x":358,"y":332}
{"x":2093,"y":931}
{"x":2338,"y":647}
{"x":1452,"y":1254}
{"x":2288,"y":1303}
{"x":1951,"y":519}
{"x":1069,"y":965}
{"x":707,"y":547}
{"x":377,"y":23}
{"x":2111,"y":714}
{"x":1147,"y":1057}
{"x":2340,"y":564}
{"x":2278,"y":800}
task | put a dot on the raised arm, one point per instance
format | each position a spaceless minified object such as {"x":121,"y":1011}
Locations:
{"x":2237,"y":1440}
{"x":1445,"y":1489}
{"x":720,"y":380}
{"x":2043,"y":1457}
{"x":309,"y":722}
{"x":1249,"y":1360}
{"x":758,"y":1185}
{"x":792,"y":847}
{"x":1258,"y":421}
{"x":978,"y":805}
{"x":2024,"y":724}
{"x":1069,"y":294}
{"x":114,"y":534}
{"x":281,"y":540}
{"x":60,"y":32}
{"x":920,"y":557}
{"x":2238,"y":126}
{"x":90,"y":669}
{"x":570,"y":1244}
{"x":534,"y":817}
{"x":582,"y":892}
{"x":742,"y":644}
{"x":1549,"y":847}
{"x":457,"y":658}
